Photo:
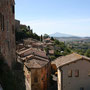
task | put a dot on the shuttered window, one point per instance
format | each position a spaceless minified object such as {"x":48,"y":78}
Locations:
{"x":76,"y":73}
{"x":70,"y":73}
{"x":2,"y":22}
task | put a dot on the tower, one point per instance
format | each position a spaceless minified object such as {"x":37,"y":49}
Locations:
{"x":7,"y":31}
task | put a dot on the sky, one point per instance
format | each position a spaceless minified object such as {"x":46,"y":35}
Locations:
{"x":50,"y":16}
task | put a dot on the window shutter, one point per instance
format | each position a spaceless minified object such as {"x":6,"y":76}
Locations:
{"x":70,"y":73}
{"x":76,"y":73}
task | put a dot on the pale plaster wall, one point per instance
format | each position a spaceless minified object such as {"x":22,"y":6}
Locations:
{"x":75,"y":83}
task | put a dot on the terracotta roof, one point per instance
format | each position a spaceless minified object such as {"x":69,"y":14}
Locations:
{"x":36,"y":63}
{"x":32,"y":51}
{"x":48,"y":39}
{"x":64,"y":60}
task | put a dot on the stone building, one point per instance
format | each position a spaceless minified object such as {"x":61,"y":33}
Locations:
{"x":73,"y":72}
{"x":17,"y":25}
{"x":7,"y":31}
{"x":37,"y":69}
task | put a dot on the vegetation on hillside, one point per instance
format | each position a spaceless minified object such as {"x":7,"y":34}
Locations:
{"x":60,"y":49}
{"x":81,"y":47}
{"x":26,"y":32}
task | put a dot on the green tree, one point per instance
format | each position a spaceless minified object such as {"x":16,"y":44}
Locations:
{"x":87,"y":53}
{"x":41,"y":38}
{"x":46,"y":36}
{"x":52,"y":38}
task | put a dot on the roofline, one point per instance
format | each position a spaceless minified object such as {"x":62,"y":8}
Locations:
{"x":83,"y":58}
{"x":37,"y":68}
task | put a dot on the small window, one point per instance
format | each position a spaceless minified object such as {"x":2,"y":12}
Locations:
{"x":13,"y":9}
{"x":35,"y":79}
{"x":76,"y":73}
{"x":1,"y":22}
{"x":70,"y":73}
{"x":13,"y":29}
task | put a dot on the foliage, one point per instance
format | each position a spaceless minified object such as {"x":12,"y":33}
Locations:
{"x":60,"y":49}
{"x":47,"y":50}
{"x":52,"y":38}
{"x":46,"y":36}
{"x":87,"y":53}
{"x":41,"y":38}
{"x":81,"y":47}
{"x":26,"y":33}
{"x":52,"y":57}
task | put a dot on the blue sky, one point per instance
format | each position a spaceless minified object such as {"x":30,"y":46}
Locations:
{"x":50,"y":16}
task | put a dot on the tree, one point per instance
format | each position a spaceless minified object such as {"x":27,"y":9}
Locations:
{"x":41,"y":38}
{"x":46,"y":36}
{"x":29,"y":28}
{"x":87,"y":53}
{"x":52,"y":38}
{"x":57,"y":42}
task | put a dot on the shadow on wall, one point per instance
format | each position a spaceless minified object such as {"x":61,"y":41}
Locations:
{"x":11,"y":79}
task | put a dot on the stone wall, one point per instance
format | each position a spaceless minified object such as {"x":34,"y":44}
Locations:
{"x":7,"y":31}
{"x":38,"y":79}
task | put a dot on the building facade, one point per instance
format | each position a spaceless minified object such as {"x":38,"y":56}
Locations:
{"x":37,"y":68}
{"x":73,"y":72}
{"x":7,"y":30}
{"x":17,"y":25}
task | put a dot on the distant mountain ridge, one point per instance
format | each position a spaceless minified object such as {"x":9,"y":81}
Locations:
{"x":57,"y":34}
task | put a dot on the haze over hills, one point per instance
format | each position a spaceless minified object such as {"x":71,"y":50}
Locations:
{"x":67,"y":37}
{"x":57,"y":34}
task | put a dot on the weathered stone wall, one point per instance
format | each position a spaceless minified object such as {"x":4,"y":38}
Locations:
{"x":7,"y":35}
{"x":17,"y":25}
{"x":38,"y":79}
{"x":80,"y":82}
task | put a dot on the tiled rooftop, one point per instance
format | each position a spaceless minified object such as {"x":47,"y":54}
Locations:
{"x":61,"y":61}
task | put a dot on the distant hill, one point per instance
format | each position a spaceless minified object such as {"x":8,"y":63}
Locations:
{"x":60,"y":35}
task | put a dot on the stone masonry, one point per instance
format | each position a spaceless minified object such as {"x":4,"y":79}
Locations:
{"x":7,"y":31}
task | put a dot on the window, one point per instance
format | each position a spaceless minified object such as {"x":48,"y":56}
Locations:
{"x":35,"y":79}
{"x":70,"y":73}
{"x":1,"y":22}
{"x":76,"y":73}
{"x":13,"y":9}
{"x":13,"y":29}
